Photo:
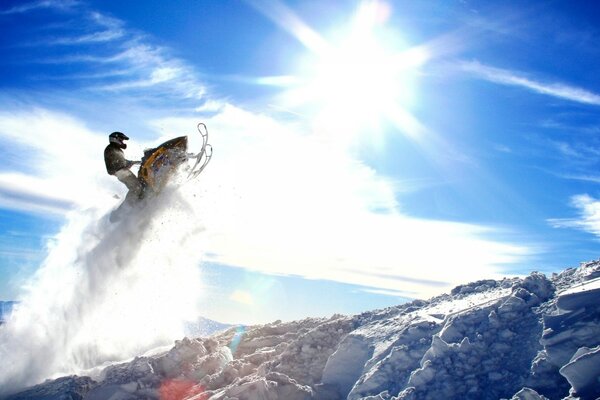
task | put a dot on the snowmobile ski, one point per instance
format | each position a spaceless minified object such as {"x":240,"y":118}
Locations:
{"x":204,"y":156}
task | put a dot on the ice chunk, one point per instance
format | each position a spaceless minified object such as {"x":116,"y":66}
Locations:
{"x":345,"y":365}
{"x":528,"y":394}
{"x":423,"y":375}
{"x":583,"y":372}
{"x":538,"y":284}
{"x":438,"y":348}
{"x":586,"y":294}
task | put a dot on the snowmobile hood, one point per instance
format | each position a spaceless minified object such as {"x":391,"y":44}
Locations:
{"x":159,"y":163}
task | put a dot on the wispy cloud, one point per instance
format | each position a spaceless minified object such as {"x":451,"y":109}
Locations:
{"x":566,"y":149}
{"x":157,"y":76}
{"x":574,"y":153}
{"x":512,"y":78}
{"x":149,"y":67}
{"x":210,"y":106}
{"x":589,"y":215}
{"x":42,"y":4}
{"x":96,"y":37}
{"x":106,"y":21}
{"x":169,"y":76}
{"x":28,"y":194}
{"x":67,"y":169}
{"x":585,"y":178}
{"x":502,"y":148}
{"x":21,"y":253}
{"x":88,"y":53}
{"x":392,"y":293}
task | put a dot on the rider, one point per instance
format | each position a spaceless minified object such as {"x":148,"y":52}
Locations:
{"x":117,"y":165}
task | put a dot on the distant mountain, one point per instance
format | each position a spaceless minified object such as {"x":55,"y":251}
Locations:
{"x":6,"y":308}
{"x":532,"y":338}
{"x":203,"y":327}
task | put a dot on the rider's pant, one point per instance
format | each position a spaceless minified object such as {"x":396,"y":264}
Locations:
{"x":132,"y":183}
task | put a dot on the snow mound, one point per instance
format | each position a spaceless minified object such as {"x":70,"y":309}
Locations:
{"x":523,"y":339}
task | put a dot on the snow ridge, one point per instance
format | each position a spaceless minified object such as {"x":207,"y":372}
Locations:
{"x":530,"y":338}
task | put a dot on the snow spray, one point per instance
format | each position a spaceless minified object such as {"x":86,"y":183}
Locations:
{"x":106,"y":292}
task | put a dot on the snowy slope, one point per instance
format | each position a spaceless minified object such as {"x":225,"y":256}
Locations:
{"x":530,"y":338}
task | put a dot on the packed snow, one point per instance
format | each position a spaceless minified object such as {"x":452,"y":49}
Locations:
{"x":526,"y":338}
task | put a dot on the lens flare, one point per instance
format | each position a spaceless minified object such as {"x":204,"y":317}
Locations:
{"x":237,"y":338}
{"x":179,"y":389}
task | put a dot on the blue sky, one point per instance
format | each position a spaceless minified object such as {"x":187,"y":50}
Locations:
{"x":365,"y":152}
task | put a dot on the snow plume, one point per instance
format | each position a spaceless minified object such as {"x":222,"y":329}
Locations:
{"x":106,"y":292}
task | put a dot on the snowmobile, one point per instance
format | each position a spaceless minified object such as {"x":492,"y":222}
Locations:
{"x":160,"y":163}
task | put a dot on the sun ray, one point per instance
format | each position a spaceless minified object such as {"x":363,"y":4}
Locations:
{"x":287,"y":20}
{"x":358,"y":80}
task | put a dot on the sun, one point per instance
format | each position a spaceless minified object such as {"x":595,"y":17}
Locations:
{"x":360,"y":79}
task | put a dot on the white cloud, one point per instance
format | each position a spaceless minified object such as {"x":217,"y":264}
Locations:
{"x":586,"y":178}
{"x":157,"y":76}
{"x":61,"y":164}
{"x":151,"y":67}
{"x":32,"y":194}
{"x":274,"y":199}
{"x":393,"y":293}
{"x":589,"y":215}
{"x":511,"y":78}
{"x":164,"y":74}
{"x":280,"y":201}
{"x":41,"y":4}
{"x":105,"y":21}
{"x":142,"y":66}
{"x":210,"y":106}
{"x":96,"y":37}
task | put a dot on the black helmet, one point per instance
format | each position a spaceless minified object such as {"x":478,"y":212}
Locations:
{"x":118,"y":138}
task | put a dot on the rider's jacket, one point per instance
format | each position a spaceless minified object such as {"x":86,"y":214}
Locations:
{"x":114,"y":158}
